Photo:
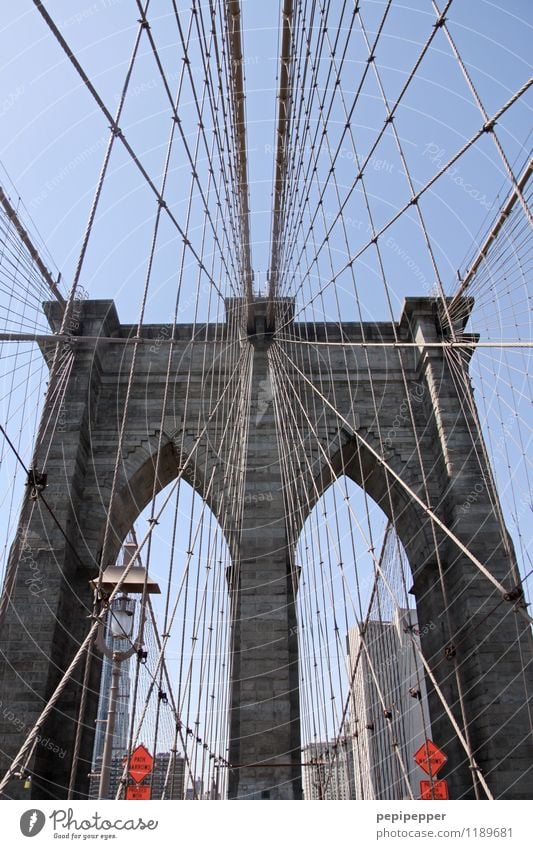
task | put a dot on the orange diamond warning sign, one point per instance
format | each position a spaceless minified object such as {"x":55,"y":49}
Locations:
{"x":141,"y":763}
{"x":430,"y":758}
{"x":436,"y":790}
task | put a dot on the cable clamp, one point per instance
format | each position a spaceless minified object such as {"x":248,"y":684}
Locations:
{"x":450,"y":651}
{"x":37,"y":481}
{"x":514,"y":594}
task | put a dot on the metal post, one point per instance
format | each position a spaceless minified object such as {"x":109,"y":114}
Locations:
{"x":217,"y":777}
{"x":103,"y":790}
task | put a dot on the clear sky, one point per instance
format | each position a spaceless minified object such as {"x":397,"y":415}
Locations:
{"x":53,"y":136}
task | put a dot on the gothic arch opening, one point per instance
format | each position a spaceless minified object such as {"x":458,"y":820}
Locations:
{"x":148,"y":470}
{"x":173,"y":699}
{"x":364,"y":705}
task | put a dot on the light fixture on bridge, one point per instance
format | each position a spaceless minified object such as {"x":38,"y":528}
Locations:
{"x":134,"y":582}
{"x":123,"y":611}
{"x":121,"y":620}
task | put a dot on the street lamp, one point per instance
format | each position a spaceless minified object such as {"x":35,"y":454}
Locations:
{"x":123,"y":609}
{"x":122,"y":612}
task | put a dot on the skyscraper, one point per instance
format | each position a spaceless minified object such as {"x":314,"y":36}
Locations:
{"x":168,"y":776}
{"x":328,"y":771}
{"x":389,"y":715}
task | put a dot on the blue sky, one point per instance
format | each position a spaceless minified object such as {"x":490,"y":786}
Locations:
{"x":53,"y":136}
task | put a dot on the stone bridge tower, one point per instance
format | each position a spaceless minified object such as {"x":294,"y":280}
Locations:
{"x":40,"y":631}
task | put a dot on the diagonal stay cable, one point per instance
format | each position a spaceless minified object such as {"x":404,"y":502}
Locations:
{"x":388,"y":120}
{"x":485,"y":128}
{"x":119,"y":134}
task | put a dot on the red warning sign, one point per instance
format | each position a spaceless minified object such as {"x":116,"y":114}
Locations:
{"x":138,"y":791}
{"x":141,"y":763}
{"x":437,"y":790}
{"x":430,"y":758}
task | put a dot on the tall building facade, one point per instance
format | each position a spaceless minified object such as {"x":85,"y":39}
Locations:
{"x":328,"y":770}
{"x":168,"y":776}
{"x":389,"y":714}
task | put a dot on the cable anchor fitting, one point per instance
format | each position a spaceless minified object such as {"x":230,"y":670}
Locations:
{"x":450,"y":651}
{"x":37,"y":481}
{"x":514,"y":595}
